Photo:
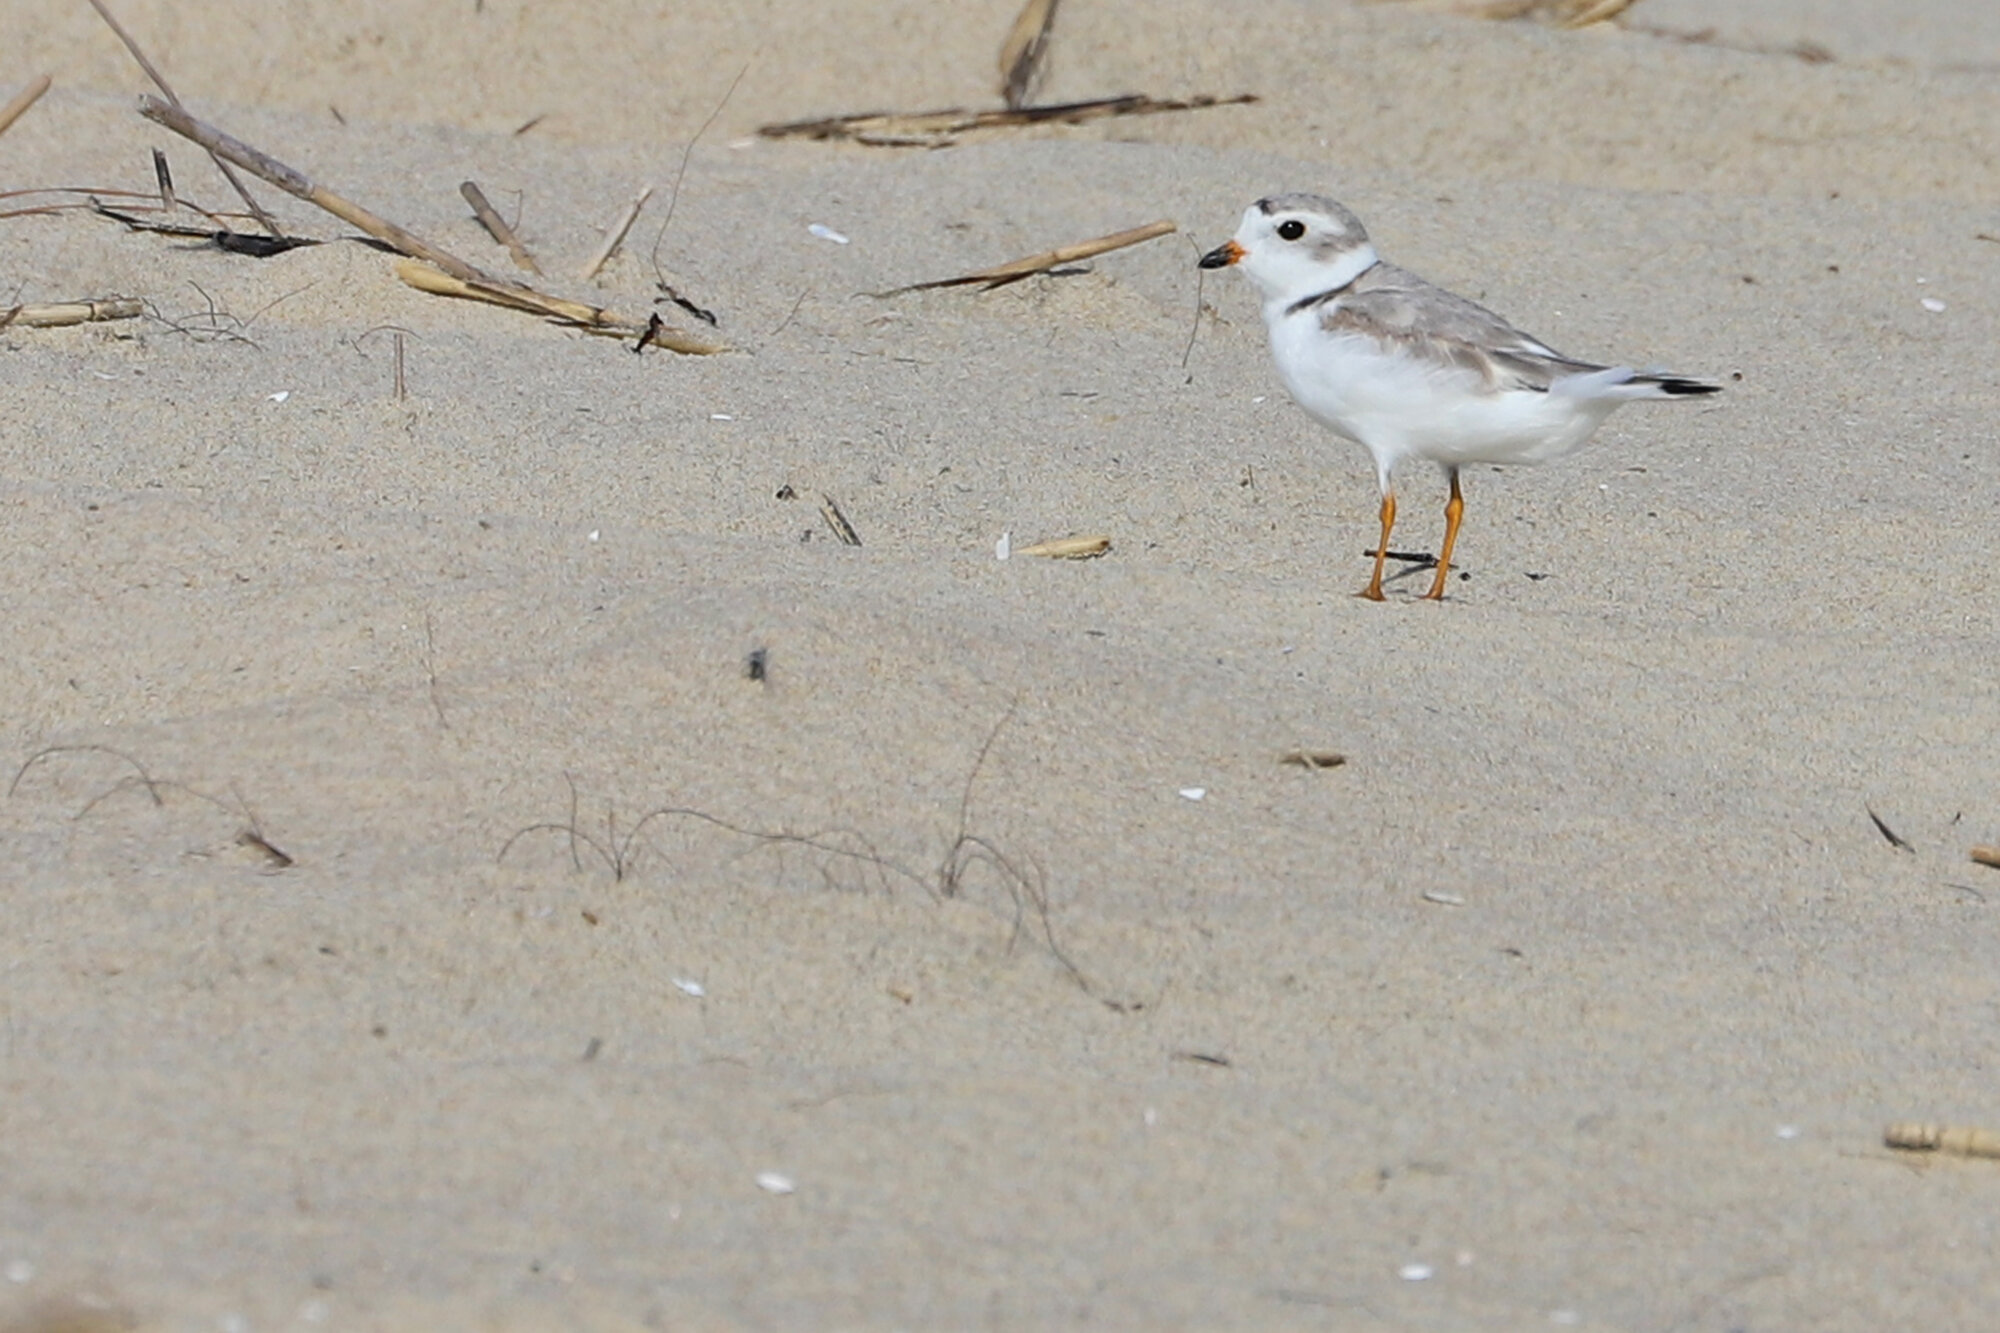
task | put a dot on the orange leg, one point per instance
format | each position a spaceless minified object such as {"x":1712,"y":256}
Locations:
{"x":1454,"y":510}
{"x":1373,"y":592}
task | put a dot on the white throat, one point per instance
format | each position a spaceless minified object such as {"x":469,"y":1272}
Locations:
{"x":1302,"y":284}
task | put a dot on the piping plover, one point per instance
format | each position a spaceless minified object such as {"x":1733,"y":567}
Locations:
{"x":1408,"y":370}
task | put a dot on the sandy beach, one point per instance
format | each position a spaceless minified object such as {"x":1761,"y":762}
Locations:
{"x":491,"y":857}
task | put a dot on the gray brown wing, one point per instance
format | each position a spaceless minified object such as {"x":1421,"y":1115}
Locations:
{"x":1396,"y":307}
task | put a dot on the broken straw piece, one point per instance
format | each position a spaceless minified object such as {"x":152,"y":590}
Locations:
{"x":1069,"y":548}
{"x":1955,"y":1141}
{"x":63,"y":313}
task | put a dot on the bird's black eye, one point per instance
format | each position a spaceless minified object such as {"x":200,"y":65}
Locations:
{"x":1291,"y":229}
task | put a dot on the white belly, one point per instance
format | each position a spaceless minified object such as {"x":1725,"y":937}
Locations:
{"x":1401,"y":405}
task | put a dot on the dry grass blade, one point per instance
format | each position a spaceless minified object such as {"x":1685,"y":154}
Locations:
{"x":616,"y":236}
{"x":471,"y":282}
{"x":1889,"y":835}
{"x":1986,"y":856}
{"x":919,"y":128}
{"x":1069,"y":548}
{"x":595,"y":319}
{"x":496,"y":226}
{"x":1313,"y":760}
{"x":1021,"y":54}
{"x":1015,"y":270}
{"x":72,"y":312}
{"x":24,"y":99}
{"x":830,"y":511}
{"x":1575,"y":15}
{"x":1560,"y":13}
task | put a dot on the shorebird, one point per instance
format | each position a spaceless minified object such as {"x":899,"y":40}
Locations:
{"x":1407,"y":369}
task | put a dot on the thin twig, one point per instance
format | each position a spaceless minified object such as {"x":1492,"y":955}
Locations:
{"x":616,"y":236}
{"x":21,"y":101}
{"x":147,"y":780}
{"x":1194,"y":325}
{"x":159,"y":80}
{"x":897,"y":129}
{"x":1015,"y":270}
{"x":687,"y":153}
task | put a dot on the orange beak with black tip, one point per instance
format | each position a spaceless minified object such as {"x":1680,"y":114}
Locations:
{"x":1222,"y":256}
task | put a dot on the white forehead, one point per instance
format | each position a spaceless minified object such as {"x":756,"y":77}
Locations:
{"x":1331,"y":223}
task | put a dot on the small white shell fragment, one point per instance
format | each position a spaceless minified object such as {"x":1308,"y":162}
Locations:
{"x":593,"y":534}
{"x":1193,"y":793}
{"x":775,"y":1182}
{"x":1415,"y":1272}
{"x":1005,"y":546}
{"x":826,"y":233}
{"x":1932,"y":304}
{"x":688,"y":987}
{"x":720,"y":416}
{"x":1788,"y":1132}
{"x":1444,"y":899}
{"x":280,"y":396}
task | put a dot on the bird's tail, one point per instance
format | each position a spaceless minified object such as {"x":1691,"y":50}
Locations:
{"x":1625,"y":383}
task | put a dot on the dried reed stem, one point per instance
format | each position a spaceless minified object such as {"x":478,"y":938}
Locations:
{"x":595,"y":319}
{"x":295,"y":183}
{"x":496,"y":226}
{"x":160,"y":81}
{"x":929,"y":128}
{"x":72,"y":312}
{"x":1956,"y":1141}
